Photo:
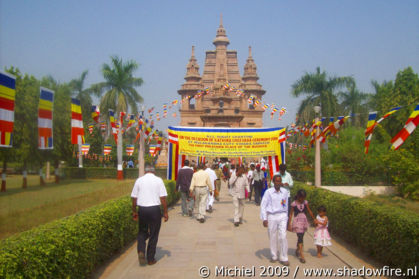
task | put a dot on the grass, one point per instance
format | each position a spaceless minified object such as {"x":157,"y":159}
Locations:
{"x":22,"y":209}
{"x":396,"y":202}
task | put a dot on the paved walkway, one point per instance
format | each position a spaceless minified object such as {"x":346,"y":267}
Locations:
{"x":185,"y":245}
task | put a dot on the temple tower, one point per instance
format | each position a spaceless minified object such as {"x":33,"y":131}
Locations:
{"x":221,"y":108}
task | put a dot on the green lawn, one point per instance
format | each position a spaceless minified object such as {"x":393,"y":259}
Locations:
{"x":22,"y":209}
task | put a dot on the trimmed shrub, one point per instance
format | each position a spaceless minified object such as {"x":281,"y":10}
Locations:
{"x":387,"y":233}
{"x":71,"y":247}
{"x":100,"y":173}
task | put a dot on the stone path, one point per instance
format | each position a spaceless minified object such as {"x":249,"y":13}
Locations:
{"x":186,"y":245}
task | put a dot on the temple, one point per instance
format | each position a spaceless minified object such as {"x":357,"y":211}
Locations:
{"x":221,"y":108}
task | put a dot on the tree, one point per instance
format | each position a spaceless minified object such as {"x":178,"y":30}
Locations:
{"x":119,"y":93}
{"x":354,"y":103}
{"x":320,"y":90}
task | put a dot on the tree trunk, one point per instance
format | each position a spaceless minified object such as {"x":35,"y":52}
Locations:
{"x":48,"y":170}
{"x":41,"y":177}
{"x":25,"y":176}
{"x":3,"y":177}
{"x":57,"y":172}
{"x":120,"y":174}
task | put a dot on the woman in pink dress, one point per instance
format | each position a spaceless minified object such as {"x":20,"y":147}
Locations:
{"x":299,"y":209}
{"x":321,"y":234}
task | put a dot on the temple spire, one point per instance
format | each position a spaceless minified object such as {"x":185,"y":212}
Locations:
{"x":221,"y":38}
{"x":192,"y":69}
{"x":250,"y":68}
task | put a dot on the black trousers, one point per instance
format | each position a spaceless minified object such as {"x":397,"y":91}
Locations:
{"x":258,"y":185}
{"x":149,"y":223}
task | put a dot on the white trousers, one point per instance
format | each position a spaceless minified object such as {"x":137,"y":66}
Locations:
{"x":210,"y":200}
{"x":238,"y":208}
{"x":277,"y":231}
{"x":200,"y":201}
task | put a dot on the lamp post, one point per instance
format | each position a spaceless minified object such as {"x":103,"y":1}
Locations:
{"x":317,"y":162}
{"x":141,"y":148}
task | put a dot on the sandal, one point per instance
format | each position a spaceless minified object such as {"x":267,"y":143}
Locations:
{"x":302,"y":260}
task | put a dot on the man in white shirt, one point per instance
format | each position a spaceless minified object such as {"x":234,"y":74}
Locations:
{"x":148,"y":194}
{"x":250,"y":178}
{"x":199,"y":184}
{"x":239,"y":183}
{"x":286,"y":177}
{"x":274,"y":213}
{"x":213,"y":178}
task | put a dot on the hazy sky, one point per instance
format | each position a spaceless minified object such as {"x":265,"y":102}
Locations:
{"x":364,"y":39}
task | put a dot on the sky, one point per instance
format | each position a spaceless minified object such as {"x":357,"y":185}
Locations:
{"x":368,"y":40}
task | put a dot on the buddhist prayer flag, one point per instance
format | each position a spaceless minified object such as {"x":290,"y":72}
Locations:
{"x":173,"y":161}
{"x":45,"y":110}
{"x":131,"y":121}
{"x":7,"y":108}
{"x":91,"y":127}
{"x":282,"y":136}
{"x":371,"y":123}
{"x":129,"y":149}
{"x":85,"y":148}
{"x":113,"y":125}
{"x":411,"y":124}
{"x":77,"y":131}
{"x":370,"y":129}
{"x":107,"y":149}
{"x":95,"y":113}
{"x":103,"y":126}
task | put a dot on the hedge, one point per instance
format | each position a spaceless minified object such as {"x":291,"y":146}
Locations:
{"x":388,"y":234}
{"x":93,"y":172}
{"x":73,"y":246}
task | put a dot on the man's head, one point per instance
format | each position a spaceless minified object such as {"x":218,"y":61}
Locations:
{"x":149,"y":168}
{"x":186,"y":163}
{"x":215,"y":166}
{"x":240,"y":170}
{"x":201,"y":166}
{"x":252,"y":166}
{"x":277,"y":181}
{"x":258,"y":167}
{"x":282,"y":168}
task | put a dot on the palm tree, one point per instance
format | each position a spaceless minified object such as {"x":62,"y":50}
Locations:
{"x":119,"y":93}
{"x":354,"y":103}
{"x":320,"y":90}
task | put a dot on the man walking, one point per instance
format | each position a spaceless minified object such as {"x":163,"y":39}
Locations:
{"x":258,"y":182}
{"x":250,"y":178}
{"x":219,"y":174}
{"x":274,"y":213}
{"x":213,"y":178}
{"x":286,"y":177}
{"x":148,"y":194}
{"x":199,"y":184}
{"x":183,"y":182}
{"x":238,"y":182}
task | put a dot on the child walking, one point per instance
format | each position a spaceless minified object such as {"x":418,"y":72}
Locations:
{"x":321,"y":234}
{"x":299,"y":209}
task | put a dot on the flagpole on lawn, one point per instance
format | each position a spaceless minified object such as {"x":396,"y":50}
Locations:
{"x":141,"y":149}
{"x":317,"y":171}
{"x":80,"y":155}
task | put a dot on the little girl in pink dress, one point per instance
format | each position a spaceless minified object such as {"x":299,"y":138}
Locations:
{"x":299,"y":225}
{"x":321,"y":234}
